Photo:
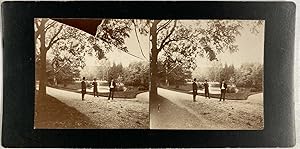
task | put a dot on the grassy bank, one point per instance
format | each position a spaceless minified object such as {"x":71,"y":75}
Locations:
{"x":76,"y":86}
{"x":243,"y":93}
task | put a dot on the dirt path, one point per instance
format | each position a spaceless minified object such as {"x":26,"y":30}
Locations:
{"x":118,"y":113}
{"x":168,"y":115}
{"x":174,"y":110}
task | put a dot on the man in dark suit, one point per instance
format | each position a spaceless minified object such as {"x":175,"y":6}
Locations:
{"x":83,"y":88}
{"x":223,"y":87}
{"x":112,"y":87}
{"x":195,"y":88}
{"x":95,"y":91}
{"x":206,"y":91}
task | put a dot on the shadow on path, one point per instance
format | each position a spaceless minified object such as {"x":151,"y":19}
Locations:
{"x":166,"y":115}
{"x":52,"y":113}
{"x":107,"y":114}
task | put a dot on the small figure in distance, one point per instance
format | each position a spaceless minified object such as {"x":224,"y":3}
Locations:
{"x":83,"y":88}
{"x":223,"y":87}
{"x":112,"y":86}
{"x":195,"y":88}
{"x":95,"y":91}
{"x":206,"y":90}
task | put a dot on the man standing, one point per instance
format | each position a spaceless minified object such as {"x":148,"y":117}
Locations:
{"x":223,"y":87}
{"x":95,"y":91}
{"x":112,"y":86}
{"x":83,"y":88}
{"x":195,"y":88}
{"x":206,"y":91}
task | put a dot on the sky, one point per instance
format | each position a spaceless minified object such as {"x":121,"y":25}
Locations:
{"x":251,"y":50}
{"x":124,"y":58}
{"x":251,"y":47}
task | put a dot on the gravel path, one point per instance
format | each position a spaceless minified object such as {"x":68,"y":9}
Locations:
{"x":117,"y":113}
{"x":174,"y":110}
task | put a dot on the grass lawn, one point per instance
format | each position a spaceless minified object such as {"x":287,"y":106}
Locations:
{"x":126,"y":94}
{"x":243,"y":93}
{"x":130,"y":94}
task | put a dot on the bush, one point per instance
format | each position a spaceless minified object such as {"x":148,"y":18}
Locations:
{"x":143,"y":88}
{"x":200,"y":86}
{"x":231,"y":89}
{"x":88,"y":85}
{"x":253,"y":89}
{"x":120,"y":87}
{"x":103,"y":83}
{"x":130,"y":88}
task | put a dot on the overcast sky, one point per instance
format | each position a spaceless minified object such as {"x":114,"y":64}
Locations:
{"x":251,"y":47}
{"x":251,"y":50}
{"x":124,"y":58}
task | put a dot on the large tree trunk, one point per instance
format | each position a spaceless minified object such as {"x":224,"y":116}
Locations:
{"x":153,"y":61}
{"x":43,"y":74}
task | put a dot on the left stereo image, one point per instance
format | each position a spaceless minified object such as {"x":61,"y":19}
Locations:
{"x":90,"y":74}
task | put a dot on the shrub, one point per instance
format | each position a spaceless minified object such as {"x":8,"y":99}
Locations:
{"x":200,"y":86}
{"x":88,"y":85}
{"x":142,"y":88}
{"x":253,"y":89}
{"x":120,"y":87}
{"x":231,"y":89}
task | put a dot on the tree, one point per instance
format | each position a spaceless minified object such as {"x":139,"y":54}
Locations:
{"x":63,"y":76}
{"x":48,"y":32}
{"x":116,"y":72}
{"x":89,"y":72}
{"x":137,"y":74}
{"x":42,"y":27}
{"x":250,"y":75}
{"x":173,"y":75}
{"x":102,"y":69}
{"x":67,"y":57}
{"x":227,"y":72}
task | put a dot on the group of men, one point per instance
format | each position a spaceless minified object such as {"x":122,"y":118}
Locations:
{"x":223,"y":87}
{"x":112,"y":86}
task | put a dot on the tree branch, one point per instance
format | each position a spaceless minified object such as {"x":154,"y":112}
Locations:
{"x":164,"y":40}
{"x":133,"y":55}
{"x":103,"y":39}
{"x":138,"y":40}
{"x":163,"y":26}
{"x":49,"y":25}
{"x":52,"y":41}
{"x":167,"y":42}
{"x":55,"y":72}
{"x":173,"y":68}
{"x":155,"y":22}
{"x":102,"y":22}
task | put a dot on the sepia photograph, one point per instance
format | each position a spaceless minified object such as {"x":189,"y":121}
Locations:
{"x":148,"y":74}
{"x":207,"y":74}
{"x":157,"y":74}
{"x":91,"y":73}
